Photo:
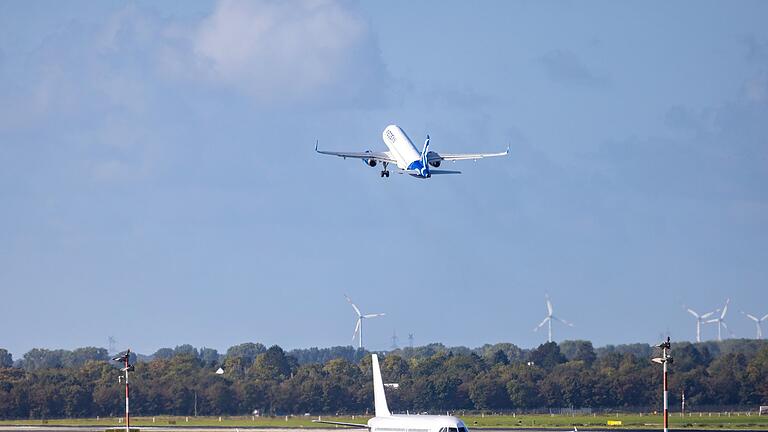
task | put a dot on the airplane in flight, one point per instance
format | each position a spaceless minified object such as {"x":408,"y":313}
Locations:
{"x":407,"y":157}
{"x":384,"y":421}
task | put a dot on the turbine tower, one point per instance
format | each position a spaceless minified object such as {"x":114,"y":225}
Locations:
{"x":548,"y":320}
{"x":699,"y":320}
{"x":394,"y":340}
{"x":360,"y":318}
{"x":757,"y":322}
{"x":721,"y":321}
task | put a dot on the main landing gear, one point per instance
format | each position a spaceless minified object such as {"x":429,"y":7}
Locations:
{"x":385,"y":172}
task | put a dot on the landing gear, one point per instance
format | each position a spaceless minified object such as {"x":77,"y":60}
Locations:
{"x":385,"y":172}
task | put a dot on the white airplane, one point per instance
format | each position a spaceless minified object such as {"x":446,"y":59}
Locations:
{"x":408,"y":159}
{"x":384,"y":421}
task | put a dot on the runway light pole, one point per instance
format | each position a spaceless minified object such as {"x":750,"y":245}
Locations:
{"x":663,"y":360}
{"x":125,"y":369}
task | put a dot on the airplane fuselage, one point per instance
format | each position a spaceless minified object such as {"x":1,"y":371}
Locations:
{"x":406,"y":154}
{"x":400,"y":147}
{"x":416,"y":423}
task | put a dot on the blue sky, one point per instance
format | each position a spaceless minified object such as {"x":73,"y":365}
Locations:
{"x":158,"y":182}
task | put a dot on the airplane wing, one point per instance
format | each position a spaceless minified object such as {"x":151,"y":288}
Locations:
{"x":352,"y":425}
{"x":379,"y":156}
{"x":433,"y":156}
{"x":437,"y":171}
{"x":431,"y":171}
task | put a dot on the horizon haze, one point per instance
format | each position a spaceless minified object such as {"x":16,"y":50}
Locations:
{"x":159,"y":184}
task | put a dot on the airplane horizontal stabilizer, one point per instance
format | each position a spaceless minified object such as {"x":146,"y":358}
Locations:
{"x":434,"y":171}
{"x":351,"y":425}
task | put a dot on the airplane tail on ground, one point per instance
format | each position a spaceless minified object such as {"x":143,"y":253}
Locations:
{"x":379,"y":398}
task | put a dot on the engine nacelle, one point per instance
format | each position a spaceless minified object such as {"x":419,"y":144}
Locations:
{"x":369,"y":162}
{"x":435,"y":158}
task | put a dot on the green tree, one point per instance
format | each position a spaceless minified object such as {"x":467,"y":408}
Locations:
{"x":247,"y":352}
{"x":488,"y":393}
{"x":36,"y":359}
{"x":547,"y":355}
{"x":499,"y":357}
{"x":6,"y":359}
{"x":163,"y":354}
{"x":186,"y":349}
{"x":522,"y":388}
{"x":209,"y":356}
{"x":273,"y":365}
{"x":757,"y":377}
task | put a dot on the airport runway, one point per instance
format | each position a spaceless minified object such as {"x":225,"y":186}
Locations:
{"x":49,"y":428}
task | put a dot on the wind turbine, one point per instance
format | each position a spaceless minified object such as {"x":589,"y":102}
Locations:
{"x":721,"y":321}
{"x":548,"y":320}
{"x":757,"y":322}
{"x":699,"y":320}
{"x":360,"y":318}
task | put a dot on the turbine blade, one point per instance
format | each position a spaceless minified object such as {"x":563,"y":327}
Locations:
{"x":714,"y":320}
{"x":563,"y":321}
{"x":707,"y":315}
{"x":750,"y":316}
{"x":725,"y":309}
{"x":353,"y":305}
{"x":542,"y":323}
{"x":726,"y":327}
{"x":693,"y":312}
{"x":357,"y":329}
{"x":549,"y":306}
{"x":373,"y":315}
{"x":764,"y":317}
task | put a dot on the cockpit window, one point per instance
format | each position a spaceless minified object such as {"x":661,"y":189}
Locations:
{"x":463,"y":429}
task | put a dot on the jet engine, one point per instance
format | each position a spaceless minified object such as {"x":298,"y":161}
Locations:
{"x":369,"y":162}
{"x":435,"y":162}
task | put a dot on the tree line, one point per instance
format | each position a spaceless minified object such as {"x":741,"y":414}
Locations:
{"x":500,"y":377}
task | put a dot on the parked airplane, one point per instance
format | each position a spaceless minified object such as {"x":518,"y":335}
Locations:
{"x":384,"y":421}
{"x":408,"y":159}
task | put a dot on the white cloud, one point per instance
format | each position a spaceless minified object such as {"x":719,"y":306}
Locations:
{"x":287,"y":52}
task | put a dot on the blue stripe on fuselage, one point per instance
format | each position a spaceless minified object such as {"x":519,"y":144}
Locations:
{"x":419,"y":166}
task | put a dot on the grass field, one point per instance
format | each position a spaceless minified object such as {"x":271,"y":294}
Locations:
{"x":629,"y":421}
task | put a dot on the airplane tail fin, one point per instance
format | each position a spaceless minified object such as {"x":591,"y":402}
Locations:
{"x":424,"y":152}
{"x":379,"y":398}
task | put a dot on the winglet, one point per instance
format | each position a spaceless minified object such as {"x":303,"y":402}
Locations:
{"x":379,"y":398}
{"x":316,"y":143}
{"x":507,"y":151}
